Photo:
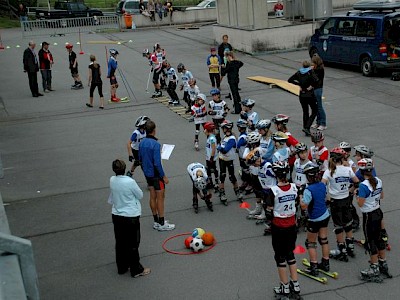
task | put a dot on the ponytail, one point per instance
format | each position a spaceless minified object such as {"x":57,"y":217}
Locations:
{"x":332,"y":166}
{"x":371,"y":179}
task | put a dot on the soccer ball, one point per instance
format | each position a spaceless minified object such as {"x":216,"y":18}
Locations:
{"x":198,"y":233}
{"x":196,"y":244}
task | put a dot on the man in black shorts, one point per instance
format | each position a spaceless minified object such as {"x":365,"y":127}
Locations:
{"x":73,"y":66}
{"x":150,"y":160}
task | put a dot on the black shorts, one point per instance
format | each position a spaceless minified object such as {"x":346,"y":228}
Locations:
{"x":156,"y":182}
{"x":341,"y":212}
{"x":314,"y":227}
{"x":113,"y":80}
{"x":156,"y":76}
{"x":372,"y":224}
{"x":283,"y":240}
{"x":135,"y":154}
{"x":74,"y":72}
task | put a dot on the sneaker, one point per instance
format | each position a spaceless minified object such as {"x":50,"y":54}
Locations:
{"x":261,"y":216}
{"x":156,"y":225}
{"x":146,"y":271}
{"x":46,"y":91}
{"x":166,"y":226}
{"x":170,"y":101}
{"x":321,"y":127}
{"x":257,"y":210}
{"x":196,"y":145}
{"x":294,"y":286}
{"x":115,"y":99}
{"x":175,"y":102}
{"x":315,"y":126}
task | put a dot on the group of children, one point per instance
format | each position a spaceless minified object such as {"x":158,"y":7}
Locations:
{"x":294,"y":184}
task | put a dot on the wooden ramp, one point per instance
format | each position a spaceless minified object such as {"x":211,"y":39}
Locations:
{"x":178,"y":109}
{"x":291,"y":88}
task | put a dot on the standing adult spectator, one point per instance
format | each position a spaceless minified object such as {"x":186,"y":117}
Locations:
{"x":45,"y":64}
{"x":125,"y":198}
{"x":232,"y":71}
{"x":222,"y":49}
{"x":278,"y":9}
{"x":319,"y":70}
{"x":159,"y":9}
{"x":306,"y":79}
{"x":23,"y":14}
{"x":95,"y":81}
{"x":150,"y":160}
{"x":152,"y":10}
{"x":31,"y":67}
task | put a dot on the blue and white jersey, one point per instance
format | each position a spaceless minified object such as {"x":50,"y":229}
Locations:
{"x":211,"y":140}
{"x":299,"y":177}
{"x":228,"y":145}
{"x":267,"y":148}
{"x":218,"y":108}
{"x":266,"y":176}
{"x":372,"y":197}
{"x":284,"y":201}
{"x":193,"y":92}
{"x":185,"y":77}
{"x":253,"y":118}
{"x":136,"y":138}
{"x":193,"y":168}
{"x":112,"y":66}
{"x":241,"y":144}
{"x":171,"y":74}
{"x":281,"y":155}
{"x":339,"y":182}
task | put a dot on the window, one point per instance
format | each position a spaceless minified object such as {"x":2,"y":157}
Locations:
{"x":366,"y":28}
{"x":345,"y":27}
{"x":329,"y":26}
{"x":74,"y":6}
{"x":212,"y":4}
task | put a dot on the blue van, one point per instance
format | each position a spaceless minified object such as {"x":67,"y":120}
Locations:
{"x":369,"y":39}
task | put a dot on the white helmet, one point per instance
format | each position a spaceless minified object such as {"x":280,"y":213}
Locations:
{"x":141,"y":121}
{"x":345,"y":146}
{"x":263,"y":124}
{"x":114,"y":52}
{"x":364,"y":150}
{"x":365,"y":164}
{"x":201,"y":96}
{"x":253,"y":137}
{"x":200,"y":183}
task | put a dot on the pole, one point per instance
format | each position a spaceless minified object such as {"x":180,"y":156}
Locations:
{"x":148,"y":80}
{"x":80,"y":43}
{"x":313,"y":16}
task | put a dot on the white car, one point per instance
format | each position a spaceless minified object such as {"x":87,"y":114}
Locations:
{"x":203,"y":4}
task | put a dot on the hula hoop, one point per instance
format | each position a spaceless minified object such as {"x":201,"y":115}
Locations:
{"x":184,"y":253}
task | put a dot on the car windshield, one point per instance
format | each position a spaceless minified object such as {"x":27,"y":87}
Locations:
{"x":203,"y":3}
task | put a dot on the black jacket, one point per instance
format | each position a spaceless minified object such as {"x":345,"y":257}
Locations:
{"x":304,"y":78}
{"x":320,"y":74}
{"x":29,"y":61}
{"x":232,"y":70}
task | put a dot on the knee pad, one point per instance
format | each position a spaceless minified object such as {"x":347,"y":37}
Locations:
{"x":197,"y":132}
{"x":136,"y":163}
{"x":348,"y":228}
{"x":312,"y":245}
{"x":291,"y":260}
{"x":222,"y":177}
{"x":338,"y":230}
{"x":323,"y":241}
{"x":232,"y":178}
{"x":280,"y":261}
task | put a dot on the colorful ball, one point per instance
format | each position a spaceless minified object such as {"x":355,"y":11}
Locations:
{"x":196,"y":244}
{"x":208,"y":238}
{"x":188,"y":240}
{"x":198,"y":233}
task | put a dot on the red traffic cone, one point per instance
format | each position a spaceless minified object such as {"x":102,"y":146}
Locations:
{"x":244,"y":205}
{"x":299,"y":250}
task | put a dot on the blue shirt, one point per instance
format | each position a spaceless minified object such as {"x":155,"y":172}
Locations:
{"x":150,"y":157}
{"x":112,"y":66}
{"x":361,"y":178}
{"x":316,"y":192}
{"x":363,"y":191}
{"x":125,"y":196}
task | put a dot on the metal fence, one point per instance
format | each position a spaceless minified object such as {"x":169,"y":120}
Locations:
{"x":73,"y":25}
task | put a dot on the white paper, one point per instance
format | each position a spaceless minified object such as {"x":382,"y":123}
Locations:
{"x":166,"y":151}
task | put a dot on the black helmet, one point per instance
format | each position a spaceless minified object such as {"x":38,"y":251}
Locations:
{"x":227,"y":124}
{"x":141,"y":121}
{"x":280,"y":168}
{"x":180,"y":67}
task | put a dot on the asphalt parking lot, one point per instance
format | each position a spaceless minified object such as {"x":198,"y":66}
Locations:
{"x":57,"y":156}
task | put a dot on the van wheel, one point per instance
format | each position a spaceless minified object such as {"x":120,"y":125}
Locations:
{"x":313,"y":51}
{"x":367,"y":67}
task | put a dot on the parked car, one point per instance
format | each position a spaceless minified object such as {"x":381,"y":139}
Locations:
{"x":129,"y":7}
{"x":369,"y":39}
{"x":65,"y":9}
{"x":203,"y":4}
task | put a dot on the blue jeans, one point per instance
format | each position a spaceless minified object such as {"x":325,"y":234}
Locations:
{"x":23,"y":20}
{"x":46,"y":79}
{"x":321,"y":116}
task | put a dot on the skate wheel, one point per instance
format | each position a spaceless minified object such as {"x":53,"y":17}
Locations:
{"x":335,"y":274}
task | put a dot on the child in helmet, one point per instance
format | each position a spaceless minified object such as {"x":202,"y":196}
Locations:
{"x":313,"y":199}
{"x":281,"y":210}
{"x":282,"y":152}
{"x":338,"y":178}
{"x":240,"y":147}
{"x":73,"y":66}
{"x":193,"y":91}
{"x":370,"y":194}
{"x":218,"y":109}
{"x":349,"y":162}
{"x":199,"y":113}
{"x":318,"y":153}
{"x":280,"y":121}
{"x":266,"y":144}
{"x":156,"y":59}
{"x":266,"y":179}
{"x":211,"y":156}
{"x":186,"y":75}
{"x":251,"y":117}
{"x":226,"y":161}
{"x":133,"y":144}
{"x":198,"y":175}
{"x":172,"y":82}
{"x":112,"y":68}
{"x":213,"y":64}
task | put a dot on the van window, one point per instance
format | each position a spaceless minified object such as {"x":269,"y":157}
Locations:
{"x":329,"y":26}
{"x":366,"y":28}
{"x":345,"y":27}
